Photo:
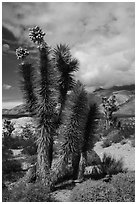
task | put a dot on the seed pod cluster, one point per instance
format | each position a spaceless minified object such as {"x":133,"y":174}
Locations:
{"x":21,"y":53}
{"x":36,"y":34}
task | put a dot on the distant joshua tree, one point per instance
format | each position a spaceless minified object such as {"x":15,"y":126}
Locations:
{"x":110,"y":106}
{"x":46,"y":97}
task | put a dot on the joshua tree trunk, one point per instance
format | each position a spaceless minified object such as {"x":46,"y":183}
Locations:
{"x":82,"y":165}
{"x":75,"y":165}
{"x":59,"y":169}
{"x":44,"y":157}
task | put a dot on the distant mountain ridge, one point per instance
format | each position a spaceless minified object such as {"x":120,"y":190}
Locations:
{"x":130,"y":87}
{"x":125,"y":96}
{"x":17,"y":110}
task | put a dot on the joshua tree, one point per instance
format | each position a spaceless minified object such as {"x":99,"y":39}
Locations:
{"x":43,"y":94}
{"x":110,"y":106}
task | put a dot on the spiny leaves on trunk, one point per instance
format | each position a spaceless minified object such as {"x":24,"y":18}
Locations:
{"x":47,"y":91}
{"x":44,"y":157}
{"x":46,"y":111}
{"x":88,"y":142}
{"x":27,"y":85}
{"x":75,"y":120}
{"x":59,"y":168}
{"x":66,"y":65}
{"x":90,"y":128}
{"x":72,"y":130}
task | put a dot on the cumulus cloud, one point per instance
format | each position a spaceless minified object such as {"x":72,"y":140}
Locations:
{"x":101,"y":35}
{"x":7,"y":86}
{"x":99,"y":68}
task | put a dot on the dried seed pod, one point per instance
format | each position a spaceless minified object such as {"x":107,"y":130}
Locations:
{"x":36,"y":35}
{"x":21,"y":53}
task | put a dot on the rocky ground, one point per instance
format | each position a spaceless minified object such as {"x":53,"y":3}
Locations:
{"x":118,"y":151}
{"x":124,"y":151}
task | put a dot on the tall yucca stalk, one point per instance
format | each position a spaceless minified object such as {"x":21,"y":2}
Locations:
{"x":66,"y":66}
{"x":73,"y":127}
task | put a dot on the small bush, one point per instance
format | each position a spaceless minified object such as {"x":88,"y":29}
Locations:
{"x":25,"y":192}
{"x":5,"y":194}
{"x":10,"y":166}
{"x":94,"y":191}
{"x":114,"y":136}
{"x":127,"y":131}
{"x":107,"y":143}
{"x":108,"y":166}
{"x":28,"y":141}
{"x":125,"y":185}
{"x":133,"y":142}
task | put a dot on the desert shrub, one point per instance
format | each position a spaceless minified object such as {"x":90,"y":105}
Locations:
{"x":114,"y":136}
{"x":5,"y":193}
{"x":28,"y":141}
{"x":93,"y":158}
{"x":10,"y":166}
{"x":106,"y":143}
{"x":25,"y":192}
{"x":106,"y":132}
{"x":133,"y":142}
{"x":108,"y":166}
{"x":127,"y":131}
{"x":125,"y":185}
{"x":94,"y":191}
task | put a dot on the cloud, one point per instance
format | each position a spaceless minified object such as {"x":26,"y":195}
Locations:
{"x":7,"y":86}
{"x":98,"y":68}
{"x":101,"y":35}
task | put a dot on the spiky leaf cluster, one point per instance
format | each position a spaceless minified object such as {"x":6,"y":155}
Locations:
{"x":66,"y":66}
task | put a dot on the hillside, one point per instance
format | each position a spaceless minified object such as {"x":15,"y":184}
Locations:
{"x":125,"y":96}
{"x":17,"y":110}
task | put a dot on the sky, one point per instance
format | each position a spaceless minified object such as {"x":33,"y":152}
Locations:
{"x":101,"y":36}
